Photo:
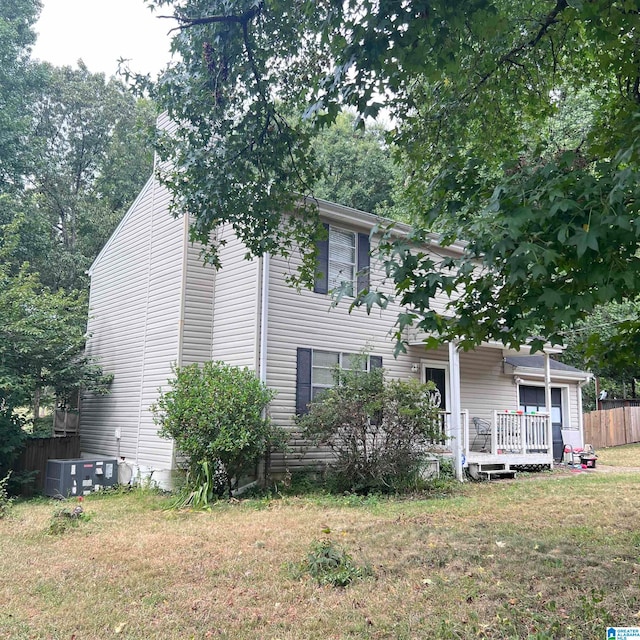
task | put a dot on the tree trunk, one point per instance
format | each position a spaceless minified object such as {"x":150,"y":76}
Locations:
{"x":36,"y":403}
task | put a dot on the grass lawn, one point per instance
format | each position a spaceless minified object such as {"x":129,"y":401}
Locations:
{"x":625,"y":456}
{"x":545,"y":556}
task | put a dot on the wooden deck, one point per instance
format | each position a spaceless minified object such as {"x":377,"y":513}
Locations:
{"x":510,"y":459}
{"x":513,"y":438}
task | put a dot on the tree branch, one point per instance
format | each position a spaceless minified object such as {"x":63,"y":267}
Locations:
{"x":242,"y":19}
{"x":551,"y":19}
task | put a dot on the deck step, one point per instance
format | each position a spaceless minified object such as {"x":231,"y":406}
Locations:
{"x":483,"y":471}
{"x":500,"y":473}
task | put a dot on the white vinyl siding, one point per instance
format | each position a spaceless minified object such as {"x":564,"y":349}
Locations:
{"x":304,"y":319}
{"x":197,"y":331}
{"x":235,"y":312}
{"x":342,"y":260}
{"x":134,"y":328}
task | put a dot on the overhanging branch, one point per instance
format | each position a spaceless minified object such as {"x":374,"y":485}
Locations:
{"x":241,"y":19}
{"x":545,"y":25}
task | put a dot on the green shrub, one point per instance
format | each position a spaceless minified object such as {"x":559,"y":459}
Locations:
{"x":12,"y":438}
{"x":330,"y":564}
{"x":216,"y":415}
{"x":42,"y":427}
{"x":5,"y":500}
{"x":379,"y":432}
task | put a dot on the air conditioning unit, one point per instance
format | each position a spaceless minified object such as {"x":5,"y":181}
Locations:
{"x":68,"y":478}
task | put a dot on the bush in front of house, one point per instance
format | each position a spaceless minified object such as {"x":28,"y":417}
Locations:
{"x":379,"y":431}
{"x":216,"y":415}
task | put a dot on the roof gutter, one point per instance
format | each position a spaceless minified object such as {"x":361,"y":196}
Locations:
{"x":557,"y":374}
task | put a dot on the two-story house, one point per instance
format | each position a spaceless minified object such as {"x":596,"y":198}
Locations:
{"x":154,"y":303}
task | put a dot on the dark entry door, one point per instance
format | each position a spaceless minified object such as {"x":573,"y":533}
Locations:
{"x":532,"y":399}
{"x":439,"y":378}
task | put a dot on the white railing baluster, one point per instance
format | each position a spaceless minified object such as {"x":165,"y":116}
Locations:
{"x":464,"y":416}
{"x":514,"y":432}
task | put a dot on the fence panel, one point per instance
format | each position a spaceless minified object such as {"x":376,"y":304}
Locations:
{"x":38,"y":450}
{"x":612,"y":427}
{"x":632,"y":419}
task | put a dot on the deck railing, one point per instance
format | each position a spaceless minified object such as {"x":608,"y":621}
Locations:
{"x":517,"y":432}
{"x":447,"y":435}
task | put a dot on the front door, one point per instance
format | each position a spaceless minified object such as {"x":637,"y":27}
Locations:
{"x":438,"y":376}
{"x":532,"y":399}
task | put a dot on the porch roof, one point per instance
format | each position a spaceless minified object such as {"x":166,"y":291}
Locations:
{"x":416,"y":337}
{"x":535,"y":365}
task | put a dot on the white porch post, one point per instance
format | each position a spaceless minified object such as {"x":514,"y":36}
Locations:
{"x":579,"y":386}
{"x":547,"y":401}
{"x":456,"y":410}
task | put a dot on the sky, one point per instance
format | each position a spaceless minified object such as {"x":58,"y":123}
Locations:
{"x":100,"y":32}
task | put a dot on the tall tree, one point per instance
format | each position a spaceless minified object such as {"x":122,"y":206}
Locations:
{"x":18,"y":81}
{"x":72,"y":158}
{"x":607,"y":343}
{"x":472,"y":86}
{"x":356,"y":165}
{"x":93,"y":159}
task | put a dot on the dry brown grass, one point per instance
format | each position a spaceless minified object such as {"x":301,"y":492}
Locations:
{"x":553,"y":556}
{"x":624,"y":456}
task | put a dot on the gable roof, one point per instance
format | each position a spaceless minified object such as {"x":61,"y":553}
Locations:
{"x":150,"y":184}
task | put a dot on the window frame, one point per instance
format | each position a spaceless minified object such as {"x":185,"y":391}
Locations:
{"x":361,"y":269}
{"x":334,"y":282}
{"x":319,"y":387}
{"x":304,"y":373}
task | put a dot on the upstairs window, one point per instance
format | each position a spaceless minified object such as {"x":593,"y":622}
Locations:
{"x":342,"y":260}
{"x":343,"y":257}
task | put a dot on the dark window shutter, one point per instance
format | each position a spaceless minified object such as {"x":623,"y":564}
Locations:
{"x":322,"y":268}
{"x":303,"y":381}
{"x":363,"y":262}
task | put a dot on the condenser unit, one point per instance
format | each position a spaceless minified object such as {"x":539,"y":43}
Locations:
{"x":68,"y":478}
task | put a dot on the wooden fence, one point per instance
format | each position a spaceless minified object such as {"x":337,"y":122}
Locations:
{"x":36,"y":453}
{"x":612,"y":427}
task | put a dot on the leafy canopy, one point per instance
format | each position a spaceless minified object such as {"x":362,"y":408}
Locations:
{"x":356,"y":165}
{"x":42,"y":339}
{"x":92,"y":160}
{"x":608,"y":343}
{"x":19,"y":79}
{"x":480,"y":95}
